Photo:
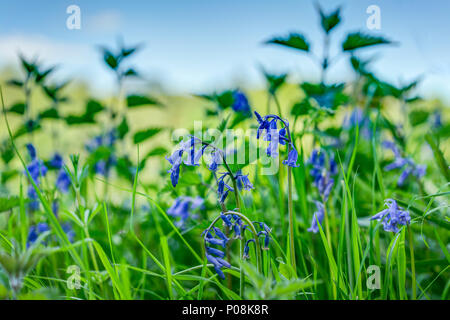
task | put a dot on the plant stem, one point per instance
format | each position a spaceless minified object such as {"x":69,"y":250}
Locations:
{"x":413,"y":266}
{"x":291,"y":222}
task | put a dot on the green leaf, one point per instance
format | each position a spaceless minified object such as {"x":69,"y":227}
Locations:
{"x":189,"y":178}
{"x":110,"y":59}
{"x":50,"y":113}
{"x":137,"y":101}
{"x":18,"y":108}
{"x":359,"y":40}
{"x":8,"y":203}
{"x":301,"y":108}
{"x":145,"y":134}
{"x":328,"y":22}
{"x":123,"y":128}
{"x":93,"y":107}
{"x":76,"y":120}
{"x":158,"y":151}
{"x":293,"y":40}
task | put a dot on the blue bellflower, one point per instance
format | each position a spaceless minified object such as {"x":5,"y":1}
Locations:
{"x":183,"y":207}
{"x":240,"y":102}
{"x":407,"y":164}
{"x":393,"y":216}
{"x":35,"y":232}
{"x":322,"y":176}
{"x":318,"y":216}
{"x":268,"y":127}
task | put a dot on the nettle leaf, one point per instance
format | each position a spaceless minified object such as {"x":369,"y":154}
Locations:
{"x":293,"y":40}
{"x":417,"y":117}
{"x":76,"y":120}
{"x":110,"y":59}
{"x":130,"y":73}
{"x":145,"y":134}
{"x":225,"y":99}
{"x":123,"y":128}
{"x":138,"y":101}
{"x":301,"y":108}
{"x":50,"y":113}
{"x":18,"y":108}
{"x":16,"y":83}
{"x":158,"y":151}
{"x":28,"y":127}
{"x":8,"y":203}
{"x":93,"y":107}
{"x":274,"y":81}
{"x":328,"y":22}
{"x":358,"y":40}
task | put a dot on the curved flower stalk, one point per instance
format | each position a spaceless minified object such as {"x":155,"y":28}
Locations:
{"x":407,"y":164}
{"x":195,"y":148}
{"x":268,"y":127}
{"x":234,"y":226}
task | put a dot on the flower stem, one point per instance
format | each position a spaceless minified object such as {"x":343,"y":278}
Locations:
{"x":291,"y":222}
{"x":413,"y":266}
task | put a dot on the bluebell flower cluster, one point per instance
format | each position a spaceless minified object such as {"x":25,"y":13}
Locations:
{"x":240,"y":102}
{"x":36,"y":230}
{"x":194,"y":148}
{"x":321,"y":174}
{"x":193,"y":158}
{"x":106,"y":140}
{"x":216,"y":240}
{"x":408,"y":166}
{"x":37,"y":169}
{"x":358,"y":118}
{"x":182,"y":209}
{"x":318,"y":216}
{"x":393,"y":216}
{"x":63,"y":180}
{"x":268,"y":126}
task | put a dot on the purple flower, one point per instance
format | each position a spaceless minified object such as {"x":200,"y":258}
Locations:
{"x":292,"y":158}
{"x":243,"y":182}
{"x":63,"y":181}
{"x":319,"y":214}
{"x":35,"y":232}
{"x":322,"y":176}
{"x":57,"y":161}
{"x":31,"y":151}
{"x":392,"y":216}
{"x":240,"y":102}
{"x":183,"y":207}
{"x":407,"y":164}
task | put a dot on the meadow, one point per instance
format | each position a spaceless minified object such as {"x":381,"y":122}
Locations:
{"x":302,"y":191}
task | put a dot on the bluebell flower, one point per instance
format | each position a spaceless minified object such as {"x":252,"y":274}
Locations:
{"x":393,"y":216}
{"x":177,"y":158}
{"x":243,"y":181}
{"x":268,"y":127}
{"x":218,"y":263}
{"x":35,"y":232}
{"x":246,"y":254}
{"x":33,"y":197}
{"x":68,"y":230}
{"x":216,"y":159}
{"x":57,"y":161}
{"x":223,"y":188}
{"x":292,"y":158}
{"x":63,"y":181}
{"x":214,"y":255}
{"x":407,"y":164}
{"x":183,"y":208}
{"x":106,"y":140}
{"x":31,"y":151}
{"x":319,"y":214}
{"x":322,"y":176}
{"x":240,"y":102}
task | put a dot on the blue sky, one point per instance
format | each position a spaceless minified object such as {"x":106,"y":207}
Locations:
{"x":200,"y":45}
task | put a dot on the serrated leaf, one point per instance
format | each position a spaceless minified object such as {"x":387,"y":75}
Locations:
{"x":123,"y":128}
{"x":293,"y":40}
{"x":359,"y":40}
{"x":50,"y":113}
{"x":145,"y":134}
{"x":158,"y":151}
{"x":93,"y":107}
{"x":328,"y":22}
{"x":18,"y":108}
{"x":138,"y":100}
